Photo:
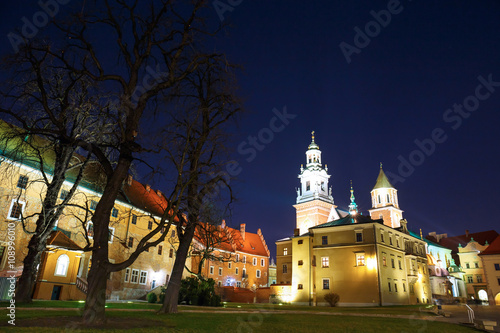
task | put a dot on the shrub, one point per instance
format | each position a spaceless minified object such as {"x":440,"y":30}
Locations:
{"x":152,"y":298}
{"x":198,"y":292}
{"x":332,"y":298}
{"x":161,"y":299}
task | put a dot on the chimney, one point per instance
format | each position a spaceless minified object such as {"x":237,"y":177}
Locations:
{"x":148,"y":187}
{"x":129,"y":180}
{"x":296,"y":232}
{"x":467,"y":233}
{"x":223,"y":224}
{"x":159,"y":193}
{"x":242,"y":230}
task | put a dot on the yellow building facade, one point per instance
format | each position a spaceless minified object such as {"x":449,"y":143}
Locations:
{"x":366,"y":260}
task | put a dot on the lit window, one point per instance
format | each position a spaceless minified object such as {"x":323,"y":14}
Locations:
{"x":262,"y":262}
{"x":22,"y":182}
{"x":93,"y":204}
{"x":257,"y":274}
{"x":285,"y":268}
{"x":144,"y":277}
{"x":324,"y":240}
{"x":326,"y":284}
{"x":62,"y":265}
{"x":130,"y":242}
{"x":16,"y":209}
{"x":384,"y":261}
{"x":359,"y":237}
{"x":360,"y":259}
{"x":325,"y":262}
{"x":238,"y":284}
{"x":211,"y":269}
{"x":134,"y":219}
{"x":220,"y":271}
{"x":160,"y":249}
{"x":127,"y":274}
{"x":135,"y":276}
{"x":255,"y":261}
{"x":90,"y":229}
{"x":114,"y":212}
{"x":285,"y":251}
{"x":64,"y":194}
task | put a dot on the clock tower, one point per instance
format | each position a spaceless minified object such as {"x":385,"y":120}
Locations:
{"x":314,"y":197}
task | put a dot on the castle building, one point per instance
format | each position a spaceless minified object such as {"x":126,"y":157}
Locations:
{"x":366,"y":260}
{"x":491,"y":263}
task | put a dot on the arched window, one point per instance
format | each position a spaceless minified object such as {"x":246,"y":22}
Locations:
{"x":62,"y":265}
{"x":388,"y":199}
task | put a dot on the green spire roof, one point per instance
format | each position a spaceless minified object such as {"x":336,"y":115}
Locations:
{"x":382,"y":180}
{"x":313,"y":144}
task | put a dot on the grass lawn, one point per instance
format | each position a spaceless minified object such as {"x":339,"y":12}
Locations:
{"x":239,"y":322}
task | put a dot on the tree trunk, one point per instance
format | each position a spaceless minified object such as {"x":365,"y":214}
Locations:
{"x":95,"y":303}
{"x":27,"y":280}
{"x":174,"y":285}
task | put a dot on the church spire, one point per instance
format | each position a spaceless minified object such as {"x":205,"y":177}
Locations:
{"x":353,"y":207}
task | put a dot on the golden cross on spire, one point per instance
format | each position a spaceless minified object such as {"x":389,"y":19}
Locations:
{"x":380,"y":165}
{"x":312,"y":133}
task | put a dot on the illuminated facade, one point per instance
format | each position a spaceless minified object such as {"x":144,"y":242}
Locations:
{"x":367,"y":260}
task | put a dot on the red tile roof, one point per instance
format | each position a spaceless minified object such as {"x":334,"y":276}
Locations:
{"x":59,"y":239}
{"x":480,"y":237}
{"x":494,"y":247}
{"x":149,"y":200}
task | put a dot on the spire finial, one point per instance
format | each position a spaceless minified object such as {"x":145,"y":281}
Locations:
{"x":353,"y":207}
{"x":421,"y":234}
{"x":380,"y":165}
{"x":312,"y":134}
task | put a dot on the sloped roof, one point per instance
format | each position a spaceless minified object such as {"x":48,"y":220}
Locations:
{"x":494,"y":247}
{"x":251,"y":244}
{"x":382,"y":181}
{"x":59,"y":239}
{"x":347,"y":220}
{"x":480,"y":237}
{"x":143,"y":198}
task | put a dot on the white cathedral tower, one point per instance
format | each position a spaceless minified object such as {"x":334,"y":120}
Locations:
{"x":314,"y":197}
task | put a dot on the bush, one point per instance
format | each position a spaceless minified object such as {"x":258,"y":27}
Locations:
{"x":152,"y":298}
{"x":161,"y":299}
{"x":332,"y":298}
{"x":198,"y":292}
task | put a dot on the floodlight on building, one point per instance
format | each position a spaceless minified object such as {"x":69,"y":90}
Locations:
{"x":371,"y":263}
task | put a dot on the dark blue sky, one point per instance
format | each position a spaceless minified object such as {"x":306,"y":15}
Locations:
{"x":396,"y":89}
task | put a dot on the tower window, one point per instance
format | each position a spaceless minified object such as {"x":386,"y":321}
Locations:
{"x":22,"y":182}
{"x":324,"y":240}
{"x":359,"y":237}
{"x":379,"y":201}
{"x":308,"y":185}
{"x":285,"y":251}
{"x":388,"y":199}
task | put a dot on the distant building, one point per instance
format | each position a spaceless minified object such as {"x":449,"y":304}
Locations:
{"x":272,"y":273}
{"x":367,"y":260}
{"x":491,"y":262}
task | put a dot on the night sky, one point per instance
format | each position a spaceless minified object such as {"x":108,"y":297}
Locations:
{"x":396,"y":86}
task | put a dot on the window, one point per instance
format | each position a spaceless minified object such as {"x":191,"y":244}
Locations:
{"x":134,"y":219}
{"x":392,"y":263}
{"x":144,"y":277}
{"x":324,"y":240}
{"x":262,"y":262}
{"x":404,"y":287}
{"x":469,"y":278}
{"x":285,"y":268}
{"x":300,"y":286}
{"x":244,"y":273}
{"x":211,"y":269}
{"x":498,"y":281}
{"x":93,"y":204}
{"x":476,"y":265}
{"x":62,"y":265}
{"x":285,"y":251}
{"x":150,"y":225}
{"x":497,"y":267}
{"x":238,"y":284}
{"x":171,"y":253}
{"x":359,"y":237}
{"x":173,"y":233}
{"x":467,"y":265}
{"x":301,"y":262}
{"x":390,"y":240}
{"x":160,"y":249}
{"x":111,"y":232}
{"x":326,"y":284}
{"x":379,"y":201}
{"x":360,"y":259}
{"x":229,"y":265}
{"x":384,"y":261}
{"x":257,"y":274}
{"x":114,"y":212}
{"x":255,"y":261}
{"x":412,"y":289}
{"x":16,"y":209}
{"x":127,"y":275}
{"x":382,"y":236}
{"x":90,"y":229}
{"x":237,"y":271}
{"x":300,"y":241}
{"x":220,"y":271}
{"x":399,"y":262}
{"x":325,"y":262}
{"x":388,"y":200}
{"x":395,"y":287}
{"x":397,"y":242}
{"x":237,"y":258}
{"x":308,"y":185}
{"x":64,"y":194}
{"x":244,"y":259}
{"x":22,"y":182}
{"x":479,"y":278}
{"x":389,"y":284}
{"x":135,"y":276}
{"x":130,"y":242}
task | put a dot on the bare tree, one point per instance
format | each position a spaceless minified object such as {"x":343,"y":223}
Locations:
{"x":48,"y":109}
